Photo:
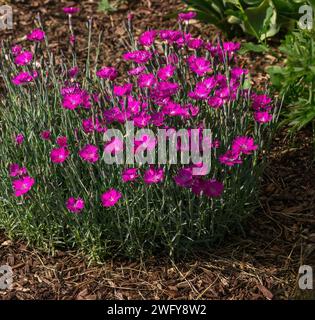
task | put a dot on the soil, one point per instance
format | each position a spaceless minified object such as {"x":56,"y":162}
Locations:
{"x":262,"y":263}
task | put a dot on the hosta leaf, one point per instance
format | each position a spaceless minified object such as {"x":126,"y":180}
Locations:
{"x":257,"y":20}
{"x":270,"y":24}
{"x":252,"y":2}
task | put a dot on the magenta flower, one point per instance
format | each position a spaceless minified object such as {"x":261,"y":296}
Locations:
{"x":157,"y":119}
{"x":146,"y":80}
{"x":236,"y":73}
{"x":153,"y":175}
{"x":216,"y":144}
{"x":89,"y":153}
{"x":23,"y":185}
{"x":213,"y":188}
{"x":195,"y":43}
{"x":194,"y":110}
{"x":201,"y":92}
{"x":184,"y":178}
{"x":230,"y":158}
{"x":59,"y":155}
{"x":227,"y":93}
{"x":70,"y":10}
{"x":199,"y":65}
{"x":74,"y":97}
{"x":87,"y":125}
{"x":72,"y":39}
{"x":136,"y":71}
{"x":166,"y":72}
{"x":197,"y":186}
{"x":36,"y":35}
{"x":147,"y":38}
{"x":113,"y":114}
{"x":114,"y":146}
{"x":130,"y":174}
{"x":19,"y":138}
{"x":261,"y":102}
{"x":183,"y":39}
{"x":73,"y":72}
{"x":71,"y":89}
{"x":174,"y":109}
{"x":96,"y":97}
{"x":214,"y":50}
{"x":209,"y":82}
{"x":262,"y":116}
{"x":15,"y":170}
{"x":23,"y":58}
{"x":142,"y":120}
{"x":110,"y":198}
{"x":62,"y":141}
{"x":170,"y":36}
{"x":215,"y":102}
{"x":146,"y":142}
{"x":244,"y":145}
{"x":72,"y":100}
{"x":221,"y":80}
{"x":231,"y":46}
{"x":134,"y":105}
{"x":24,"y":77}
{"x":16,"y":49}
{"x":123,"y":90}
{"x":165,"y":89}
{"x":172,"y":58}
{"x":110,"y":73}
{"x":75,"y":205}
{"x":139,"y":56}
{"x":186,"y":16}
{"x":45,"y":135}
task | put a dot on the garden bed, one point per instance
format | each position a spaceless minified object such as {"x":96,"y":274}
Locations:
{"x":261,"y":265}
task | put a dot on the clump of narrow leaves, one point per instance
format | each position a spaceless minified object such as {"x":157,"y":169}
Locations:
{"x":296,"y":79}
{"x":66,"y":182}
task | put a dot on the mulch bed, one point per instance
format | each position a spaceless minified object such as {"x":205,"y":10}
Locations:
{"x":261,"y":264}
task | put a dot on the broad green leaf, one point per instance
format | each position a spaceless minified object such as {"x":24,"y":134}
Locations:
{"x":270,"y":27}
{"x":104,"y":5}
{"x":252,"y":47}
{"x":256,"y":19}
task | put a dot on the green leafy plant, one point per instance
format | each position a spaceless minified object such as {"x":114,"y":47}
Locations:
{"x":59,"y":183}
{"x":296,"y":79}
{"x":260,"y":19}
{"x":254,"y":47}
{"x":104,"y":5}
{"x":108,"y":6}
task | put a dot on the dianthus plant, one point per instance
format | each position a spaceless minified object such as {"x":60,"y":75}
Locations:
{"x":162,"y":154}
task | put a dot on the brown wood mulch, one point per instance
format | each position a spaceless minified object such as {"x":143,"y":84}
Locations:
{"x":263,"y":264}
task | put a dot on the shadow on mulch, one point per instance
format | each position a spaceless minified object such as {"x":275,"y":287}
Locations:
{"x":263,"y":264}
